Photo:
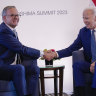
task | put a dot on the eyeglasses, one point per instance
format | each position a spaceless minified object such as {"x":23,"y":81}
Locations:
{"x":14,"y":15}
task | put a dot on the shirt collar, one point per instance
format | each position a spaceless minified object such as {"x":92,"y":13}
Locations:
{"x":10,"y":27}
{"x":95,"y":29}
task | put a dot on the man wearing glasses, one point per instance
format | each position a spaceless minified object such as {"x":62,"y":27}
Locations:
{"x":10,"y":47}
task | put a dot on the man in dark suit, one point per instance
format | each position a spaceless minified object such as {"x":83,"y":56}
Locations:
{"x":10,"y":47}
{"x":83,"y":40}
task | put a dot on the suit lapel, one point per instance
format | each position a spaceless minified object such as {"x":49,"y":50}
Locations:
{"x":3,"y":25}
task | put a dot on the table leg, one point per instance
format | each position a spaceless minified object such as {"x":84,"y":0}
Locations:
{"x":42,"y":83}
{"x":38,"y":88}
{"x":55,"y":82}
{"x":60,"y":81}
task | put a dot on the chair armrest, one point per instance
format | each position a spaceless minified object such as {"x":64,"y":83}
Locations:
{"x":78,"y":56}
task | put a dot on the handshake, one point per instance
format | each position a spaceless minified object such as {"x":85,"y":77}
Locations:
{"x":49,"y":54}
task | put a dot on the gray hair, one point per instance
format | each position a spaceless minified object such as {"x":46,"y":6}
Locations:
{"x":93,"y":9}
{"x":5,"y":10}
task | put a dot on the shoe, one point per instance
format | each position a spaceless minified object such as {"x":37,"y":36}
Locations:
{"x":29,"y":95}
{"x":79,"y":91}
{"x":72,"y":95}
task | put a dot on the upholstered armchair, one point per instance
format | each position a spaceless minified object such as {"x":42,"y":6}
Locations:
{"x":79,"y":56}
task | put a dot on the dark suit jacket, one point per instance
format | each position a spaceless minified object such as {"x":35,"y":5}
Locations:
{"x":83,"y":40}
{"x":9,"y":46}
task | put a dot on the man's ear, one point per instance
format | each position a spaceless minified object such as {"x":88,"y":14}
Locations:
{"x":4,"y":17}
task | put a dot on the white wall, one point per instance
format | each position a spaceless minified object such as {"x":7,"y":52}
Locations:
{"x":57,"y":30}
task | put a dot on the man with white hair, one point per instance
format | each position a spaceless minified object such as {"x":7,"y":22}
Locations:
{"x":84,"y":40}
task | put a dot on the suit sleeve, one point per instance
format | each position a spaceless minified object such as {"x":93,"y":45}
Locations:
{"x":10,"y":42}
{"x":77,"y":44}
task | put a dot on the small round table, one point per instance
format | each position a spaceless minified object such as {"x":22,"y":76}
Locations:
{"x":56,"y":76}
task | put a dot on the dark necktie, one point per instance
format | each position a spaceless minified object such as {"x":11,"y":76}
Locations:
{"x":93,"y":46}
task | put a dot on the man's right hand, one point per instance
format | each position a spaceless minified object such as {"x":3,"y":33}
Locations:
{"x":92,"y":67}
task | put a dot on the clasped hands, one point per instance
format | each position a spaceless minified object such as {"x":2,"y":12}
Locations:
{"x":50,"y":54}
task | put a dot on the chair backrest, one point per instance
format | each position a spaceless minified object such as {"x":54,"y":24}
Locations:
{"x":78,"y":56}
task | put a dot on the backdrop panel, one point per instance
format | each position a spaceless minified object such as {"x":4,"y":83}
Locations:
{"x":50,"y":24}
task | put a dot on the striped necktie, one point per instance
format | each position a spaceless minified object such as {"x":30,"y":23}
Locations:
{"x":93,"y":46}
{"x":15,"y":33}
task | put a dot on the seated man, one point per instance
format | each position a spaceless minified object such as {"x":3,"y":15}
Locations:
{"x":11,"y":49}
{"x":86,"y":40}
